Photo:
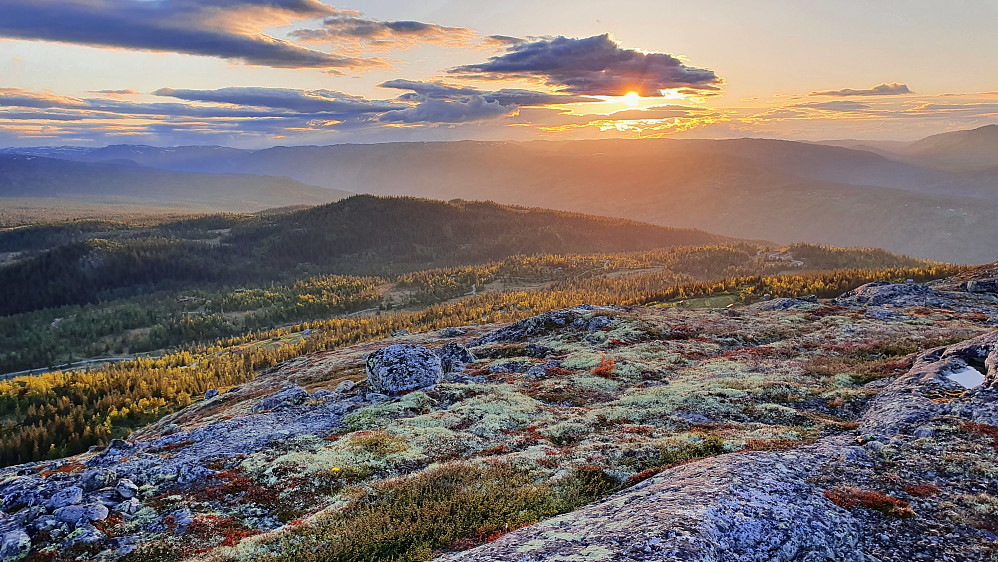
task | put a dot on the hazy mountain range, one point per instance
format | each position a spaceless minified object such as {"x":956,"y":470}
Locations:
{"x":845,"y":193}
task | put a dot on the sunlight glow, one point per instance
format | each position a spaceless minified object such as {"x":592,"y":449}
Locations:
{"x":632,"y":99}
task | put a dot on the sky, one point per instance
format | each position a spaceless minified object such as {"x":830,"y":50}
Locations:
{"x":256,"y":73}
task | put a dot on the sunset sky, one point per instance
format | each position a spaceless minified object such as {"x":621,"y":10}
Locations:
{"x":255,"y":73}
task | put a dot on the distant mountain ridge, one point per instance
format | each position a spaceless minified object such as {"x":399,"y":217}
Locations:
{"x":784,"y":191}
{"x":29,"y":176}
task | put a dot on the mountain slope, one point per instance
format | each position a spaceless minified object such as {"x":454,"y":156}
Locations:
{"x":78,"y":263}
{"x":748,"y":188}
{"x":32,"y":177}
{"x":975,"y":149}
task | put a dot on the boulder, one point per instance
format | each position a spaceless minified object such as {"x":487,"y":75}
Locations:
{"x":345,"y":386}
{"x":451,"y":332}
{"x":454,"y":357}
{"x":85,"y":534}
{"x":126,"y":488}
{"x":210,"y":393}
{"x":98,"y":478}
{"x":400,"y":368}
{"x":67,"y":496}
{"x":982,"y":286}
{"x":15,"y":546}
{"x":782,"y":304}
{"x":293,"y":395}
{"x":81,"y":514}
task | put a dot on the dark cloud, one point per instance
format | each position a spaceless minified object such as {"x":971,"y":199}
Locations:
{"x":228,"y":29}
{"x":354,"y":30}
{"x":891,"y":89}
{"x":507,"y":96}
{"x":475,"y":108}
{"x":833,"y":105}
{"x":304,"y":101}
{"x":592,"y":66}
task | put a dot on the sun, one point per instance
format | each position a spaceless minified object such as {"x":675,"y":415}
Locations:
{"x":631,"y":98}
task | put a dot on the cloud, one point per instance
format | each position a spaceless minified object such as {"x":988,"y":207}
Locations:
{"x":304,"y":101}
{"x":127,"y":92}
{"x":475,"y":108}
{"x":593,"y":66}
{"x":503,"y":41}
{"x":657,"y":112}
{"x":356,"y":32}
{"x":834,"y":105}
{"x":15,"y":97}
{"x":891,"y":89}
{"x":507,"y":96}
{"x":227,"y":29}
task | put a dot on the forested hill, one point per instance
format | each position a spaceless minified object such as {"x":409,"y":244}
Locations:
{"x":380,"y":234}
{"x":75,"y":263}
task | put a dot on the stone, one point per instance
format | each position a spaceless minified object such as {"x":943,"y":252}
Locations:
{"x":182,"y":518}
{"x":507,"y":367}
{"x":597,"y":323}
{"x":67,"y":496}
{"x":453,"y":357}
{"x":75,"y":514}
{"x":129,"y":506}
{"x":345,"y":386}
{"x":118,"y":445}
{"x":189,"y":473}
{"x":210,"y":393}
{"x":451,"y":332}
{"x":782,"y":304}
{"x":98,"y":478}
{"x":85,"y":534}
{"x":400,"y":368}
{"x":538,"y":351}
{"x":288,"y":396}
{"x":126,"y":488}
{"x":15,"y":546}
{"x":982,"y":286}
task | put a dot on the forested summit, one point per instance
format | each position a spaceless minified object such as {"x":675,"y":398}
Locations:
{"x":80,"y":262}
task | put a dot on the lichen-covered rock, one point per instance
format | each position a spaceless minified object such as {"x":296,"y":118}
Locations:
{"x":98,"y":478}
{"x":783,"y":304}
{"x":453,"y":357}
{"x":210,"y":393}
{"x":541,"y":324}
{"x":67,"y":496}
{"x":85,"y":534}
{"x":126,"y":488}
{"x":288,"y":396}
{"x":75,"y":514}
{"x":15,"y":546}
{"x":400,"y":368}
{"x":983,"y":286}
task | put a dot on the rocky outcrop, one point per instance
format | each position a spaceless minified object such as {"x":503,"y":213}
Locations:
{"x":776,"y":506}
{"x":786,"y":439}
{"x":453,"y":357}
{"x":402,"y":368}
